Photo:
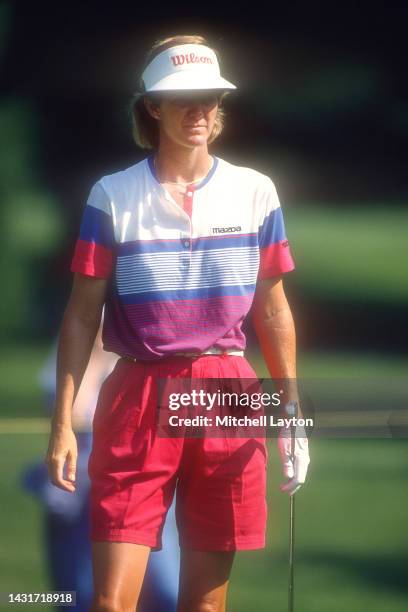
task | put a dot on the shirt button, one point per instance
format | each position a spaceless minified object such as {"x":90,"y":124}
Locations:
{"x":189,"y":194}
{"x":186,"y":243}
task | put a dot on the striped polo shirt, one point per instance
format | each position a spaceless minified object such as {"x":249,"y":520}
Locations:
{"x":180,"y":279}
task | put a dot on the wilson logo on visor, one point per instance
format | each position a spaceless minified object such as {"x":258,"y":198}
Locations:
{"x":190,"y":58}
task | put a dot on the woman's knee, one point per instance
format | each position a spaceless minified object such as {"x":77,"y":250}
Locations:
{"x":208,"y":603}
{"x":103,"y":603}
{"x":204,"y":577}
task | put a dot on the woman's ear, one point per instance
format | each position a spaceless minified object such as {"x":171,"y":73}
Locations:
{"x":152,"y":107}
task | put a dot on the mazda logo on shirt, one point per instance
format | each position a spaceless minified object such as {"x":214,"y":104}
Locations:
{"x":226,"y":230}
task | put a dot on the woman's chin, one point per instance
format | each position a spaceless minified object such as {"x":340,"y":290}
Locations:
{"x":197,"y":140}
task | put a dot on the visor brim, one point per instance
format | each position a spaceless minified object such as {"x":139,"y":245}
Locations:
{"x":183,"y":81}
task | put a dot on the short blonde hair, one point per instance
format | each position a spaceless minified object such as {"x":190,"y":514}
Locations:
{"x":144,"y":127}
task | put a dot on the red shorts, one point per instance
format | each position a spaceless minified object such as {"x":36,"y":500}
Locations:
{"x":221,"y":481}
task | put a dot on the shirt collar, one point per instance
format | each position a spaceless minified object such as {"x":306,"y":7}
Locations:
{"x":205,"y":180}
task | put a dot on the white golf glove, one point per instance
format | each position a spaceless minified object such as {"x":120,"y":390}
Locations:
{"x":293,"y":468}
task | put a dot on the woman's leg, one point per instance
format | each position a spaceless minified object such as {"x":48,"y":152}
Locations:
{"x":160,"y":586}
{"x":118,"y":571}
{"x":204,"y":580}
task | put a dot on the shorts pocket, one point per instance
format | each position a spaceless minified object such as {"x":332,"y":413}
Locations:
{"x":119,"y":403}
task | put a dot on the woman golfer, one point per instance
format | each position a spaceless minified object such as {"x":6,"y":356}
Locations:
{"x":177,"y":247}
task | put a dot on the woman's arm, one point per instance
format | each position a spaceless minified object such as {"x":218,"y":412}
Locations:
{"x":275,"y":329}
{"x":77,"y":336}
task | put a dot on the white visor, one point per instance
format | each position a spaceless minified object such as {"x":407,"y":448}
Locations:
{"x":184,"y":67}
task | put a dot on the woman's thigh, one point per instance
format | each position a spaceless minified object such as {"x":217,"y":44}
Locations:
{"x":118,"y":572}
{"x":204,"y":577}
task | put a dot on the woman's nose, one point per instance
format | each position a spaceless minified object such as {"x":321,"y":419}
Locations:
{"x":196,"y":109}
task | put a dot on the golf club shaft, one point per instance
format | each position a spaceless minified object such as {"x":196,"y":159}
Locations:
{"x":292,"y":526}
{"x":291,"y":553}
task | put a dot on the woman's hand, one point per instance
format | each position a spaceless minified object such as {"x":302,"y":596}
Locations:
{"x":295,"y":462}
{"x":62,"y":448}
{"x":294,"y":450}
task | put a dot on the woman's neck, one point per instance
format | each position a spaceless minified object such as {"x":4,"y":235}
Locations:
{"x":182,"y":165}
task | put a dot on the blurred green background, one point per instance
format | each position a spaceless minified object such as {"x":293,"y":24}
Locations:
{"x":322,"y":111}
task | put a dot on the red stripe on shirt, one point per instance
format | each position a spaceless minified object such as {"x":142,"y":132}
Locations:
{"x":275,"y":259}
{"x":92,"y":259}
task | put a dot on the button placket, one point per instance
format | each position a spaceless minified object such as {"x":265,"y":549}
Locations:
{"x":188,"y":207}
{"x":188,"y":203}
{"x":187,"y":243}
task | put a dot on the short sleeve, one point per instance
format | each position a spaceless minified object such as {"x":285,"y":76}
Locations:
{"x":275,"y":255}
{"x":93,"y":253}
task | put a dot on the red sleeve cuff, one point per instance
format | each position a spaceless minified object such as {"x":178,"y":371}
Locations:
{"x":92,"y":259}
{"x":275,"y":259}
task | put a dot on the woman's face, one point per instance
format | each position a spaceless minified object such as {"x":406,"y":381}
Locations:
{"x":186,"y":119}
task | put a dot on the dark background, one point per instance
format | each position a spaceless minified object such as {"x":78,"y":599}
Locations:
{"x":321,"y":108}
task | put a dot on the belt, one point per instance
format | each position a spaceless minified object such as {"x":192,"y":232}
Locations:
{"x":210,"y":351}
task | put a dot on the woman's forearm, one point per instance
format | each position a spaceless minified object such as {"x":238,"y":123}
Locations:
{"x":275,"y":328}
{"x":76,"y":339}
{"x":277,"y":338}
